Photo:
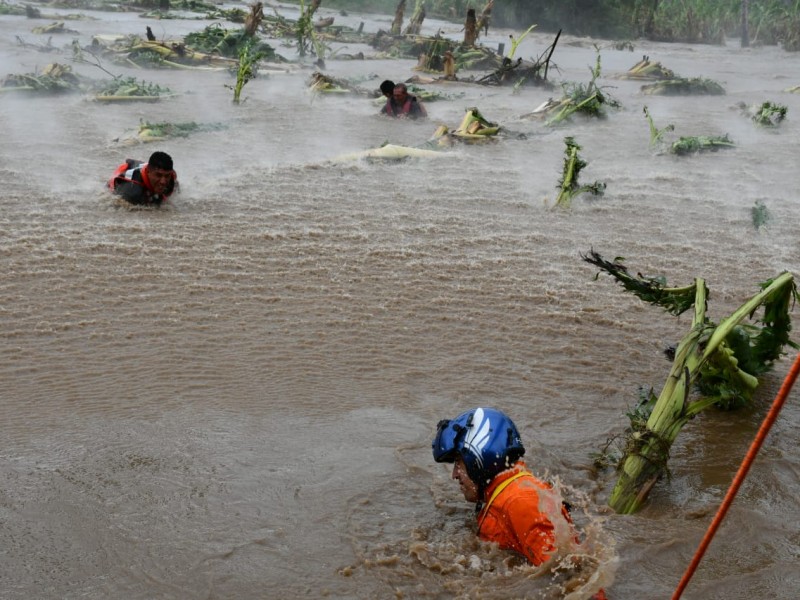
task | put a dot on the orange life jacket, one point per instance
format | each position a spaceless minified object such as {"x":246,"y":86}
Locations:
{"x":512,"y":516}
{"x":518,"y":517}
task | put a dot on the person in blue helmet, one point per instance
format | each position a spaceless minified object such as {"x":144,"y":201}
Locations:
{"x":514,"y":508}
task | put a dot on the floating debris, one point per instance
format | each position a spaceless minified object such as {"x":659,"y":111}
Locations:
{"x":766,"y":114}
{"x":12,"y":9}
{"x":701,"y":143}
{"x":760,"y":215}
{"x":217,"y":40}
{"x":687,"y":144}
{"x":156,"y":132}
{"x":695,"y":86}
{"x":390,"y":152}
{"x":129,"y":89}
{"x":645,"y":69}
{"x":722,"y":361}
{"x":569,"y":187}
{"x":589,"y":100}
{"x":53,"y":28}
{"x":55,"y":78}
{"x":474,"y":128}
{"x":320,"y":83}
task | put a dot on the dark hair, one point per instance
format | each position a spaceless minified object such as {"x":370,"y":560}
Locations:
{"x":402,"y":86}
{"x":387,"y":87}
{"x":160,"y":160}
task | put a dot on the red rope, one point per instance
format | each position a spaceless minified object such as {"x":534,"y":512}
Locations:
{"x":769,"y":420}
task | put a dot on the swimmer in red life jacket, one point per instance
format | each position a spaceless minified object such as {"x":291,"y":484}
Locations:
{"x":149,"y":183}
{"x":403,"y":105}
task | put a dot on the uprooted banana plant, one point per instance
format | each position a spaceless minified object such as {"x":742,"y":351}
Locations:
{"x":589,"y":100}
{"x":248,"y":69}
{"x":305,"y":33}
{"x":685,"y":144}
{"x":715,"y":364}
{"x":474,"y":128}
{"x":569,"y":186}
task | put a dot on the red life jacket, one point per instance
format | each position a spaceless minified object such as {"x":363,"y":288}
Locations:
{"x":121,"y":174}
{"x":135,"y":172}
{"x":405,"y":110}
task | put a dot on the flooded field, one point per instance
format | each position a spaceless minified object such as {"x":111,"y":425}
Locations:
{"x":234,"y":396}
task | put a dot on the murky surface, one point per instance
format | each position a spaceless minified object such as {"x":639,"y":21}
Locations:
{"x":234,"y":397}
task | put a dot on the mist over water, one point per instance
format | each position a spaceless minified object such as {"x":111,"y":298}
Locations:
{"x":234,"y":396}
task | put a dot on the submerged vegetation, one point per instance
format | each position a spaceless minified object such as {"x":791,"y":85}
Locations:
{"x":715,"y":364}
{"x":248,"y":69}
{"x":760,"y":215}
{"x":474,"y":128}
{"x":216,"y":39}
{"x":685,"y":144}
{"x":647,"y":70}
{"x":55,"y":78}
{"x":148,"y":132}
{"x":569,"y":187}
{"x":588,"y":100}
{"x":129,"y":88}
{"x":694,"y":86}
{"x":767,"y":114}
{"x":700,"y":143}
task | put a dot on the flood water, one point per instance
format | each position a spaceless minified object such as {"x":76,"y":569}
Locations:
{"x":234,"y":396}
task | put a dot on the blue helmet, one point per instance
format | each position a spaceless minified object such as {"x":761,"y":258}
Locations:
{"x":485,"y":438}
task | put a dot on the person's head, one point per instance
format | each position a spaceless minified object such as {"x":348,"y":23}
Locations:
{"x":159,"y":171}
{"x":387,"y":87}
{"x":481,"y":443}
{"x":400,"y":92}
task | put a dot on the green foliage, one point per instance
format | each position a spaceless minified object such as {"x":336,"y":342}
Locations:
{"x":307,"y":39}
{"x":216,"y":39}
{"x":130,"y":86}
{"x":760,"y":214}
{"x":55,"y":78}
{"x":769,"y":114}
{"x":515,"y":41}
{"x":687,"y":144}
{"x":639,"y":414}
{"x":569,"y":186}
{"x":654,"y":290}
{"x":695,"y":86}
{"x":723,"y":362}
{"x":432,"y":96}
{"x":11,"y":9}
{"x":748,"y":349}
{"x":728,"y":377}
{"x":589,"y":100}
{"x":192,"y":5}
{"x":166,"y":129}
{"x":700,"y":143}
{"x":248,"y":68}
{"x":656,"y":135}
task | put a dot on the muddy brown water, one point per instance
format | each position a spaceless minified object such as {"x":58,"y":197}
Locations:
{"x":234,"y":397}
